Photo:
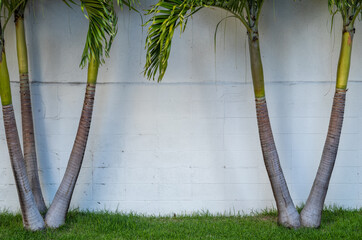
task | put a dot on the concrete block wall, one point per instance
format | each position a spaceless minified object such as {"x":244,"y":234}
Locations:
{"x":189,"y":143}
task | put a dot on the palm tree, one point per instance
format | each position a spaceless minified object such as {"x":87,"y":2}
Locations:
{"x":312,"y":212}
{"x":32,"y":219}
{"x":102,"y":23}
{"x":169,"y":14}
{"x":26,"y":107}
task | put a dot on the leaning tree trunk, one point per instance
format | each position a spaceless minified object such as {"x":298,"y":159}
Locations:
{"x":56,"y":214}
{"x":312,"y":212}
{"x":32,"y":219}
{"x":26,"y":114}
{"x":287,"y":214}
{"x":29,"y":142}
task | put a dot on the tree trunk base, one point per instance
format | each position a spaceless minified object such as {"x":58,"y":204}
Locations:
{"x":54,"y":222}
{"x":289,"y":218}
{"x":310,"y":219}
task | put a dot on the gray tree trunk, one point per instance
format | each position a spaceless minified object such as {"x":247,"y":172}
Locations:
{"x":29,"y":142}
{"x":312,"y":212}
{"x":288,"y":216}
{"x":32,"y":219}
{"x":57,"y":212}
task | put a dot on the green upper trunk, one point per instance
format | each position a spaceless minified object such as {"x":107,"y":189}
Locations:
{"x":256,"y":65}
{"x":93,"y":66}
{"x":344,"y":60}
{"x":5,"y":89}
{"x":21,"y":46}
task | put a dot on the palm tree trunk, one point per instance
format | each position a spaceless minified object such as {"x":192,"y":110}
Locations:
{"x":312,"y":212}
{"x":287,"y":214}
{"x":32,"y":219}
{"x":27,"y":116}
{"x":56,"y":214}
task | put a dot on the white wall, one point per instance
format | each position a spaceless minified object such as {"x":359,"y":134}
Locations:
{"x":189,"y":143}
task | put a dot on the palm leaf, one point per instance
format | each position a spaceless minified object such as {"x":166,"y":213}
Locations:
{"x":167,"y":15}
{"x":12,"y":6}
{"x":101,"y":31}
{"x":349,"y":9}
{"x":129,"y":3}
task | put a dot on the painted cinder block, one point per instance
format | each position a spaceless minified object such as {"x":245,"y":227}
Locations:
{"x":9,"y":197}
{"x":212,"y":192}
{"x":108,"y":175}
{"x":109,"y":159}
{"x":240,"y":126}
{"x":244,"y":191}
{"x":82,"y":192}
{"x":307,"y":141}
{"x":208,"y":109}
{"x":190,"y":142}
{"x":340,"y":192}
{"x":208,"y":175}
{"x":52,"y":126}
{"x":304,"y":175}
{"x":175,"y":192}
{"x":242,"y":175}
{"x":50,"y":175}
{"x":141,"y":175}
{"x":347,"y":175}
{"x":6,"y":176}
{"x":243,"y":159}
{"x":5,"y":160}
{"x":202,"y":159}
{"x":49,"y":191}
{"x":349,"y":142}
{"x":300,"y":192}
{"x":108,"y":192}
{"x":241,"y":142}
{"x":348,"y":159}
{"x":45,"y":102}
{"x":235,"y":109}
{"x":147,"y":159}
{"x":142,"y":192}
{"x":177,"y":175}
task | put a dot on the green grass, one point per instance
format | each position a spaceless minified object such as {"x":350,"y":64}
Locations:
{"x":337,"y":223}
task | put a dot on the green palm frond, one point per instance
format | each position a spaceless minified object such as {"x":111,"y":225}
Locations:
{"x":102,"y":23}
{"x":167,"y":15}
{"x":101,"y":31}
{"x":129,"y":3}
{"x":12,"y":6}
{"x":349,"y":9}
{"x":15,"y":5}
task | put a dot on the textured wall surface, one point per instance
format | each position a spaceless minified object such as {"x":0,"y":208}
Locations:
{"x":189,"y":143}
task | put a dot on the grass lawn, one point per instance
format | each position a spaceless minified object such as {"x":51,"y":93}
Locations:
{"x":336,"y":224}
